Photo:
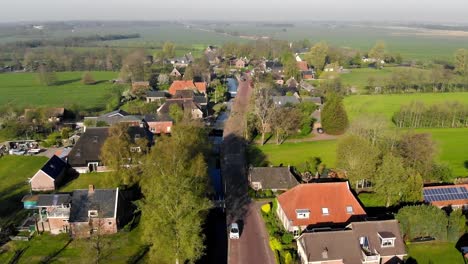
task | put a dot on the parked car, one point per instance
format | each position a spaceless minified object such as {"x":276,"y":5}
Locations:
{"x":234,"y":231}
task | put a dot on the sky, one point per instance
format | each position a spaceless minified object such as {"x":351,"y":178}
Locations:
{"x":455,"y":11}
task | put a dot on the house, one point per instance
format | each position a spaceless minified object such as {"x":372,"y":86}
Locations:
{"x":241,"y":63}
{"x":54,"y":213}
{"x":94,"y":211}
{"x":372,"y":60}
{"x":50,"y":176}
{"x":114,"y":117}
{"x":313,"y":99}
{"x":291,"y":82}
{"x":455,"y":196}
{"x":85,"y":155}
{"x":156,"y":96}
{"x":318,"y":205}
{"x":272,"y":178}
{"x":274,"y":67}
{"x":159,"y":124}
{"x":187,"y":105}
{"x":183,"y":61}
{"x":187,"y":85}
{"x":197,"y":97}
{"x":53,"y":114}
{"x":333,"y":67}
{"x":285,"y":100}
{"x":302,"y":66}
{"x":308,"y":75}
{"x":175,"y":73}
{"x":372,"y":242}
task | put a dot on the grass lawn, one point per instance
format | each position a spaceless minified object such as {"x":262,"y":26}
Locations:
{"x":98,"y":179}
{"x":23,"y":89}
{"x":14,"y":173}
{"x":297,"y":153}
{"x":122,"y":247}
{"x":388,"y":104}
{"x":434,"y":252}
{"x":359,"y":77}
{"x":453,"y":146}
{"x":371,"y":200}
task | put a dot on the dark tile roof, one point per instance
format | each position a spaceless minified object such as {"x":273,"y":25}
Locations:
{"x":157,"y":94}
{"x":315,"y":100}
{"x":283,"y":100}
{"x":88,"y":147}
{"x":54,"y":167}
{"x":112,"y":117}
{"x":280,"y":178}
{"x":184,"y":104}
{"x":102,"y":200}
{"x":53,"y":199}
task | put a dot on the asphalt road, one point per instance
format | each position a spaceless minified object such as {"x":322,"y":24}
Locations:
{"x":252,"y":247}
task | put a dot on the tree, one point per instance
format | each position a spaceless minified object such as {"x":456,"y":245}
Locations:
{"x":378,"y":51}
{"x":45,"y":76}
{"x":317,"y":56}
{"x":461,"y":61}
{"x":334,"y":117}
{"x":418,"y":152}
{"x":263,"y":110}
{"x":456,"y":225}
{"x":189,"y":73}
{"x":87,"y":78}
{"x":422,"y":220}
{"x":284,"y":122}
{"x":175,"y":204}
{"x":358,"y":158}
{"x":219,"y":93}
{"x":168,"y":50}
{"x":133,"y":68}
{"x":176,"y":113}
{"x":290,"y":66}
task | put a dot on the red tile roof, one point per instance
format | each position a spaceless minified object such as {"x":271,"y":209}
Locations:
{"x":302,"y":65}
{"x":187,"y":85}
{"x":335,"y":196}
{"x":444,"y":203}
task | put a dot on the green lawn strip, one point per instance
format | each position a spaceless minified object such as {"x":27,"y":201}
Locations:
{"x":98,"y":179}
{"x":14,"y":174}
{"x":24,"y":90}
{"x":371,"y":200}
{"x":388,"y":104}
{"x":434,"y":252}
{"x":295,"y":154}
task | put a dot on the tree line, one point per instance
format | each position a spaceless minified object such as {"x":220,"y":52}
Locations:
{"x":443,"y":115}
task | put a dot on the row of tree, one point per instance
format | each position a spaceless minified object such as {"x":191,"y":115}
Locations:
{"x":395,"y":164}
{"x":417,"y":114}
{"x":429,"y":221}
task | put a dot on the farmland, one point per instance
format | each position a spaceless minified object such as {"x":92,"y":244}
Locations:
{"x":23,"y":90}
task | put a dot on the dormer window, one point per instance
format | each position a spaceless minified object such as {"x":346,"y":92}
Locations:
{"x":135,"y":149}
{"x":302,"y":213}
{"x":325,"y":211}
{"x":387,"y":239}
{"x":92,"y":213}
{"x":349,"y":209}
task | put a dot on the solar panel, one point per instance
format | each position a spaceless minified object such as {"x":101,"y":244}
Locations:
{"x":445,"y":194}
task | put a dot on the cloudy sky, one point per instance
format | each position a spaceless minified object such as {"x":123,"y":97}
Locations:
{"x":272,"y":10}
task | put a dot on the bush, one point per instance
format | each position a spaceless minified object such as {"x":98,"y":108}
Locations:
{"x":334,"y":117}
{"x":287,"y":238}
{"x":266,"y":208}
{"x":287,"y":258}
{"x":275,"y":244}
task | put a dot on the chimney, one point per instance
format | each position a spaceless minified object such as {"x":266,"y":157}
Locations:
{"x":325,"y":253}
{"x":90,"y":189}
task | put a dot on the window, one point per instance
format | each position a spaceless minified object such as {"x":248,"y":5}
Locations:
{"x":92,"y":213}
{"x":302,"y":213}
{"x":152,"y":129}
{"x":388,"y":242}
{"x":325,"y":211}
{"x":349,"y":209}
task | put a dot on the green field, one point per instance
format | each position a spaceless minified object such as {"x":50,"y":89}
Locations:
{"x":23,"y":90}
{"x":388,"y":104}
{"x":84,"y":180}
{"x":295,"y":154}
{"x":14,"y":174}
{"x":434,"y":252}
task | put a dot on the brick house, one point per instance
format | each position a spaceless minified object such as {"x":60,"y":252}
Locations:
{"x":313,"y":205}
{"x":187,"y":85}
{"x":94,"y":211}
{"x":159,"y":124}
{"x":50,"y":176}
{"x":54,"y":213}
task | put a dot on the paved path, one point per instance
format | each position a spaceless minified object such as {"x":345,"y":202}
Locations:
{"x":252,"y":247}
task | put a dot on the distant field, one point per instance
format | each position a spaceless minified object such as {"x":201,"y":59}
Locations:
{"x":295,"y":154}
{"x":388,"y":104}
{"x":434,"y":252}
{"x":14,"y":174}
{"x":359,"y":77}
{"x":23,"y":89}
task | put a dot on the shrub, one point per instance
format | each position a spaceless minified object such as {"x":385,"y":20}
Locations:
{"x":334,"y":117}
{"x":287,"y":238}
{"x":275,"y":244}
{"x":266,"y":208}
{"x":456,"y":225}
{"x":288,"y":259}
{"x":268,"y":193}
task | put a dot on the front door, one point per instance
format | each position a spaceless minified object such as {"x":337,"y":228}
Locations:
{"x":92,"y":166}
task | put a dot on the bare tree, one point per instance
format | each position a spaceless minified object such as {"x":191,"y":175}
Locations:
{"x":263,"y":110}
